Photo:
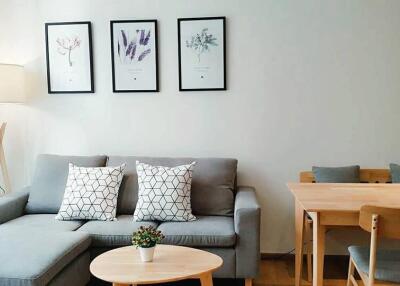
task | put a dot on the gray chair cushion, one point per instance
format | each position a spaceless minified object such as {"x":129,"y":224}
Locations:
{"x":206,"y":231}
{"x":213,"y":183}
{"x":387,"y":262}
{"x":348,"y":174}
{"x":43,"y":221}
{"x":48,"y":184}
{"x":395,"y":173}
{"x":113,"y":233}
{"x":35,"y":257}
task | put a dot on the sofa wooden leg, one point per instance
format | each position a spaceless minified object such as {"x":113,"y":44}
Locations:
{"x":248,"y":282}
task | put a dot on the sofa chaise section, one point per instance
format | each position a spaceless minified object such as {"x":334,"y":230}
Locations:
{"x":40,"y":250}
{"x":35,"y":257}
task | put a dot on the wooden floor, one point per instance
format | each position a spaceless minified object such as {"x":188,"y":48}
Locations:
{"x":279,"y":272}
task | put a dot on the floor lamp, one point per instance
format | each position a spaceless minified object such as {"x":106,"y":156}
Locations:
{"x":11,"y":91}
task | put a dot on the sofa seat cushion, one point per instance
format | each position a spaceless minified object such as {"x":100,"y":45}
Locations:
{"x":35,"y":257}
{"x":43,"y":221}
{"x":113,"y":233}
{"x":206,"y":231}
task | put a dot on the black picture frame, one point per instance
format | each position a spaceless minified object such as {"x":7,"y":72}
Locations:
{"x":180,"y":20}
{"x":114,"y":88}
{"x":90,"y":46}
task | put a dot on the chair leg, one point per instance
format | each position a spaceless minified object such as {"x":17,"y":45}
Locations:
{"x":248,"y":282}
{"x":308,"y":244}
{"x":350,"y":277}
{"x":309,"y":265}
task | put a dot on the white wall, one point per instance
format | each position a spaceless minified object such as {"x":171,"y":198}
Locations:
{"x":309,"y":82}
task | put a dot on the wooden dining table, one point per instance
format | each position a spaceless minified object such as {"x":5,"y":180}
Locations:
{"x":333,"y":205}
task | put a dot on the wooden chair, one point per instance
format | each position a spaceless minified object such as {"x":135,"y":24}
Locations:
{"x":376,"y":267}
{"x":381,"y":176}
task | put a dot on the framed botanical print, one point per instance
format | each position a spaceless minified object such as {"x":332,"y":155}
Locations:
{"x":201,"y":52}
{"x":134,"y":56}
{"x":69,"y":57}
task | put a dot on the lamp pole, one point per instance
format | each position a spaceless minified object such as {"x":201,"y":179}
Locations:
{"x":12,"y":90}
{"x":3,"y":166}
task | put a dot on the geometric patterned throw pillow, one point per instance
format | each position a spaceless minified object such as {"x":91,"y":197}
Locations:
{"x":91,"y":193}
{"x":164,"y":193}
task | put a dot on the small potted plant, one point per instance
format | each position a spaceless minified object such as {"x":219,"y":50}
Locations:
{"x":146,"y":239}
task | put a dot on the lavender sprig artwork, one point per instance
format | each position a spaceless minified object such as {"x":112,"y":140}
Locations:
{"x":201,"y":42}
{"x":133,"y":49}
{"x":67,"y":45}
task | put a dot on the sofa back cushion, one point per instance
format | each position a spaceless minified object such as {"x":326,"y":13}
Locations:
{"x":50,"y":177}
{"x":213,"y":183}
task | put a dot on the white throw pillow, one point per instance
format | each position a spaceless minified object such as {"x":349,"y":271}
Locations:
{"x":164,"y":193}
{"x":91,"y":193}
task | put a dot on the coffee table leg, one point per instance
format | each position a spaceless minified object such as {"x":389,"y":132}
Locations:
{"x":206,"y":279}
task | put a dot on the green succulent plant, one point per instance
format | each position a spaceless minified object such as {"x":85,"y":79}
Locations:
{"x":146,"y":237}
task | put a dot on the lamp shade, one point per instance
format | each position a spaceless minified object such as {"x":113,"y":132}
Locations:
{"x":12,"y":83}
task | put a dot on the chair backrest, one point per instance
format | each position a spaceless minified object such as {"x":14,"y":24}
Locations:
{"x":381,"y":176}
{"x":387,"y":221}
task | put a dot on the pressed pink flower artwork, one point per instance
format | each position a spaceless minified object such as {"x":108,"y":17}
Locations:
{"x":66,"y":45}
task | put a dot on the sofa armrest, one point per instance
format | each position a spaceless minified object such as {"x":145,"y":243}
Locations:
{"x":247,"y":228}
{"x":12,"y":205}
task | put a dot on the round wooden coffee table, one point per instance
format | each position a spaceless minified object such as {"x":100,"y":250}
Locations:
{"x":122,"y":266}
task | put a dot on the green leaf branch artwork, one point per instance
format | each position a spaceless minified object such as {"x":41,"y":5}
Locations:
{"x":201,"y":42}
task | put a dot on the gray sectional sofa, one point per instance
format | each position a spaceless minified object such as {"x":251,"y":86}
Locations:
{"x":36,"y":249}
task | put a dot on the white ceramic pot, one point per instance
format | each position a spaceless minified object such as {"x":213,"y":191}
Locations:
{"x":147,"y":254}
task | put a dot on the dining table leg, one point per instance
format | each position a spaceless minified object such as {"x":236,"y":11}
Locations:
{"x":299,"y":227}
{"x":318,"y":250}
